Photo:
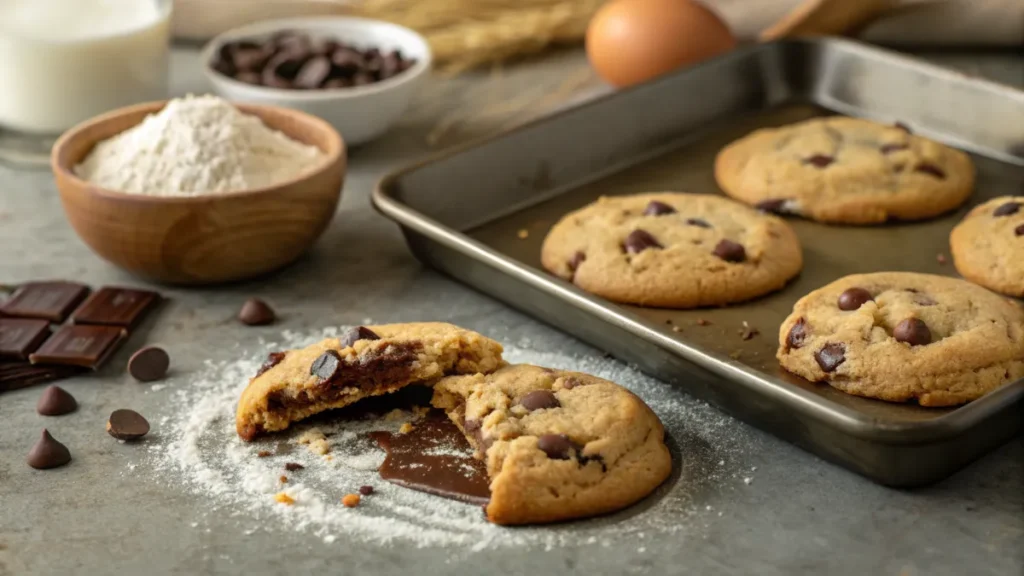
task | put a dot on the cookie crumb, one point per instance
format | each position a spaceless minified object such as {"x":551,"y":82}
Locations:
{"x":293,"y":466}
{"x":736,"y":354}
{"x":283,"y":479}
{"x":366,"y":490}
{"x":669,"y":322}
{"x":406,"y":428}
{"x":941,"y":258}
{"x":421,"y":411}
{"x":523,"y":234}
{"x":316,"y":441}
{"x":264,"y":453}
{"x":703,"y":322}
{"x":677,"y":329}
{"x":396,"y":414}
{"x":285,"y":499}
{"x":350,"y":500}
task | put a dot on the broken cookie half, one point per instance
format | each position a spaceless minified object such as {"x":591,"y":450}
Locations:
{"x":557,"y":444}
{"x":365,"y":361}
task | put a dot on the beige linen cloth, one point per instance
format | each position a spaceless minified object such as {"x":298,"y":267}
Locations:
{"x":942,"y":22}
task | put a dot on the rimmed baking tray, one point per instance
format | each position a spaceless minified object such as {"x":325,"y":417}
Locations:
{"x":480,"y":213}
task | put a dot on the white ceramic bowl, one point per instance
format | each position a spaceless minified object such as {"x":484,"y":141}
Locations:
{"x":359,"y":113}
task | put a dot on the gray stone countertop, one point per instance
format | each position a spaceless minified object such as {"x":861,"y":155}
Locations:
{"x":797,"y":515}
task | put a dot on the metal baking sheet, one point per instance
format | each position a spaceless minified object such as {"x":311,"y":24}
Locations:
{"x":480,"y":214}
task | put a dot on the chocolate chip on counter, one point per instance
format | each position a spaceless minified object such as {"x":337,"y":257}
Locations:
{"x":1007,"y":209}
{"x":576,"y":260}
{"x":556,"y":446}
{"x":326,"y":365}
{"x":149,"y":364}
{"x":853,"y":298}
{"x":797,"y":334}
{"x":313,"y":73}
{"x":890,"y":148}
{"x":656,"y":208}
{"x":830,"y":356}
{"x":127,"y":425}
{"x":539,"y":400}
{"x":819,"y":160}
{"x":366,"y":490}
{"x":273,"y":359}
{"x":903,"y":127}
{"x":930,"y":169}
{"x":356,"y":334}
{"x":1019,"y":230}
{"x":912,"y":331}
{"x":698,"y":222}
{"x":48,"y":453}
{"x":775,"y":206}
{"x":638,"y":241}
{"x":730,"y":251}
{"x":256,"y":312}
{"x":56,"y":401}
{"x":293,"y":466}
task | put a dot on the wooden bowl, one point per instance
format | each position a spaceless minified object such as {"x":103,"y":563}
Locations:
{"x":206,"y":239}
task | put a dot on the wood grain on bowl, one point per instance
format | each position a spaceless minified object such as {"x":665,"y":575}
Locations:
{"x":206,"y":239}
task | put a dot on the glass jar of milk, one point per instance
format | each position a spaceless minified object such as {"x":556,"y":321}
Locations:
{"x":64,"y":61}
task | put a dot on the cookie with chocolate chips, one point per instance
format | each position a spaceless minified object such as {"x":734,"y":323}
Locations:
{"x":557,"y":444}
{"x":988,"y":245}
{"x":900,"y":336}
{"x":845,"y":170}
{"x":672,"y":250}
{"x":363,"y":361}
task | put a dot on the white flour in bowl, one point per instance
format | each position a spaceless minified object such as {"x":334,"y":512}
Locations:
{"x":193,"y":147}
{"x":198,"y":448}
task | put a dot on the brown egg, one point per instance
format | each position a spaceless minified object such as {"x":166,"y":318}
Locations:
{"x":632,"y":41}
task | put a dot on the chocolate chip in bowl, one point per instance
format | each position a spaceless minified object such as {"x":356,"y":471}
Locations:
{"x":358,"y":74}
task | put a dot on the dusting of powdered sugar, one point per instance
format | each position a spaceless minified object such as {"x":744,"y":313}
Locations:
{"x":200,"y":450}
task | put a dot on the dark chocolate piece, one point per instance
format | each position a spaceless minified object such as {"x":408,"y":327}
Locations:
{"x":639,"y":240}
{"x":797,"y":334}
{"x":656,"y":208}
{"x":539,"y":400}
{"x":256,"y":312}
{"x":16,"y":375}
{"x":730,"y":251}
{"x":293,"y":466}
{"x":127,"y":425}
{"x":48,"y":453}
{"x":831,"y":356}
{"x":56,"y":401}
{"x":20,"y":337}
{"x":413,"y":461}
{"x":46,"y":300}
{"x":356,"y":334}
{"x":853,"y":298}
{"x":326,"y":365}
{"x":913,"y":331}
{"x":149,"y":364}
{"x":83,"y":345}
{"x":819,"y":160}
{"x":113,"y":306}
{"x":273,"y":359}
{"x":366,"y":490}
{"x":556,"y":446}
{"x":698,"y":222}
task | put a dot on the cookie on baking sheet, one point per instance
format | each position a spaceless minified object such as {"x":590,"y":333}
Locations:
{"x":365,"y":361}
{"x":900,"y":336}
{"x":845,"y":170}
{"x":672,"y":250}
{"x":988,"y":245}
{"x":557,"y":444}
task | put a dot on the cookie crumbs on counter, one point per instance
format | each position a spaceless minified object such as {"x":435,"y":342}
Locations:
{"x":315,"y":441}
{"x":293,"y":466}
{"x":406,"y":428}
{"x":283,"y":479}
{"x":523,"y":234}
{"x":264,"y":453}
{"x":677,"y":329}
{"x":285,"y":499}
{"x":350,"y":500}
{"x":703,"y":322}
{"x":941,"y":258}
{"x":736,"y":354}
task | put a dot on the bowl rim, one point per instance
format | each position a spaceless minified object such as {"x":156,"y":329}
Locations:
{"x":337,"y":153}
{"x":308,"y":24}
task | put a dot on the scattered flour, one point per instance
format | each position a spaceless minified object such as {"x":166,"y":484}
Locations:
{"x":199,"y":449}
{"x":193,"y":147}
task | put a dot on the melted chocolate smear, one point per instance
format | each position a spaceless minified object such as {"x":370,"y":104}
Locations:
{"x":413,"y":461}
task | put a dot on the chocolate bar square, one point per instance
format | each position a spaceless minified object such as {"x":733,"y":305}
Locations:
{"x":83,"y":345}
{"x":113,"y":306}
{"x":19,"y":337}
{"x":46,"y":300}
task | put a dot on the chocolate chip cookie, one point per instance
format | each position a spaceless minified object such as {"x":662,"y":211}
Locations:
{"x":845,"y":170}
{"x":988,"y":245}
{"x":672,"y":250}
{"x":557,"y":444}
{"x":365,"y":361}
{"x":900,"y":336}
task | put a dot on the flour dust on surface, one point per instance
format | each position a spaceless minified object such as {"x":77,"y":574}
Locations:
{"x":200,"y":450}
